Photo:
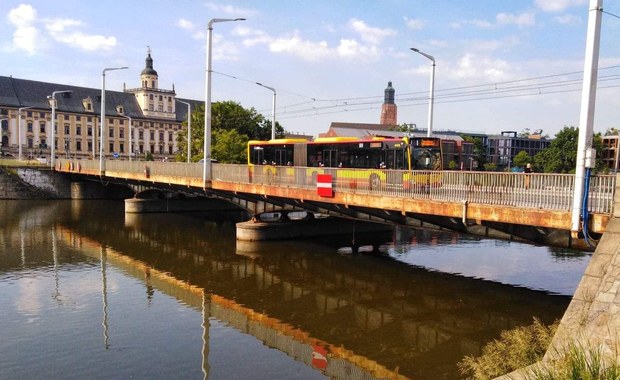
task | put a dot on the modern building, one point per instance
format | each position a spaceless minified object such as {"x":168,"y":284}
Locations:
{"x":504,"y":147}
{"x":610,"y":152}
{"x":151,"y":116}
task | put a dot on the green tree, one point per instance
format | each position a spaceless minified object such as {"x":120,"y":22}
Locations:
{"x":229,"y":147}
{"x":226,"y":116}
{"x":480,"y":153}
{"x":521,"y":159}
{"x":561,"y":155}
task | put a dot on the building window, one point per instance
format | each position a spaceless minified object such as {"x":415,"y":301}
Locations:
{"x":89,"y":131}
{"x":152,"y":137}
{"x":121,"y":133}
{"x":29,"y":113}
{"x":78,"y":145}
{"x":160,"y":108}
{"x":122,"y":148}
{"x":150,"y":96}
{"x":78,"y":130}
{"x":111,"y":148}
{"x":111,"y":133}
{"x":140,"y":135}
{"x":169,"y":149}
{"x":161,"y":149}
{"x":152,"y":148}
{"x":170,"y":136}
{"x":90,"y":146}
{"x":90,"y":119}
{"x":78,"y":118}
{"x":161,"y":136}
{"x":67,"y":129}
{"x":141,"y":148}
{"x":30,"y":143}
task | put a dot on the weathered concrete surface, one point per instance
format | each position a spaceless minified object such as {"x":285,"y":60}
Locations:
{"x":33,"y":183}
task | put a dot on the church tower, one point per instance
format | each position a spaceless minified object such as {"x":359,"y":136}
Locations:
{"x":388,"y":110}
{"x":155,"y":102}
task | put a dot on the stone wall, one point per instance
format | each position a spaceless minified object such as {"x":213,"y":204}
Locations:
{"x":29,"y":183}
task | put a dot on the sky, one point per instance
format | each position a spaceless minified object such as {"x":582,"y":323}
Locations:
{"x":507,"y":65}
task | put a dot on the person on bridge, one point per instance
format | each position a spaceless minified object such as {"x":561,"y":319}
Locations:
{"x":527,"y":171}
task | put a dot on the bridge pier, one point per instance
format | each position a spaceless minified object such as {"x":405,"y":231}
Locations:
{"x":97,"y":190}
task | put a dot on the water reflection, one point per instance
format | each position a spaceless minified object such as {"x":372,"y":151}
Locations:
{"x":344,"y":315}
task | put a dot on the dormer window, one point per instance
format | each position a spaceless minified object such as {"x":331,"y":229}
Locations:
{"x":88,"y":104}
{"x":120,"y":109}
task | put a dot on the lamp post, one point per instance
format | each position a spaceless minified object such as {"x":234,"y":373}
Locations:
{"x":102,"y":135}
{"x":206,"y":172}
{"x":189,"y":129}
{"x":130,"y":137}
{"x":429,"y":132}
{"x":53,"y":149}
{"x":19,"y":132}
{"x":273,"y":110}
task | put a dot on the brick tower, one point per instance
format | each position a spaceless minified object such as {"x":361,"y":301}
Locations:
{"x":388,"y":110}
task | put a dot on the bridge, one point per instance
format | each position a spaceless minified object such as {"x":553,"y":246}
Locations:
{"x":536,"y":207}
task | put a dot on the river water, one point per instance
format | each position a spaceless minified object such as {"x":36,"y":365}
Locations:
{"x":89,"y":292}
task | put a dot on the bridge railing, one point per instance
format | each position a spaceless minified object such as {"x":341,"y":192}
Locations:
{"x":531,"y":190}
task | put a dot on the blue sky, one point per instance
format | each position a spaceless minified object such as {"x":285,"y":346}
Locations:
{"x":500,"y":65}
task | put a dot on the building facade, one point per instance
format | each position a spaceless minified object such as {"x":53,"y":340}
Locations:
{"x":137,"y":121}
{"x":504,"y":147}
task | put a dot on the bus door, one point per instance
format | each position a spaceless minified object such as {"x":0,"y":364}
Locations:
{"x":280,"y":157}
{"x":258,"y":155}
{"x":330,"y":158}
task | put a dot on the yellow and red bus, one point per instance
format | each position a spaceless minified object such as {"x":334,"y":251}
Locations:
{"x":377,"y":160}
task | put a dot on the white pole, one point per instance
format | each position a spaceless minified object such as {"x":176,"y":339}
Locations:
{"x":273,"y":110}
{"x":206,"y":171}
{"x":588,"y":100}
{"x":431,"y":96}
{"x":101,"y":129}
{"x":19,"y":132}
{"x":53,"y":146}
{"x":130,"y":136}
{"x":189,"y":130}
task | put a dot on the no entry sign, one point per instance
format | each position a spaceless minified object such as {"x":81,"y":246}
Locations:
{"x":324,"y":185}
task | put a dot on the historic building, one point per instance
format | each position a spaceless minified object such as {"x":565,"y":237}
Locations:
{"x":389,"y":115}
{"x":147,"y":117}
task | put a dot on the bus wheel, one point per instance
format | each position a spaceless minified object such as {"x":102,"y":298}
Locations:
{"x":375,"y":182}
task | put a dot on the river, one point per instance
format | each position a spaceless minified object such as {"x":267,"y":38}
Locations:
{"x":89,"y":292}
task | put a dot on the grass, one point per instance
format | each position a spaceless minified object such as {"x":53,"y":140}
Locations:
{"x":516,"y":348}
{"x":525,"y":346}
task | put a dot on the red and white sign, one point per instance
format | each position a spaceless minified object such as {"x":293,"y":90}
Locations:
{"x":319,"y":356}
{"x":324,"y":185}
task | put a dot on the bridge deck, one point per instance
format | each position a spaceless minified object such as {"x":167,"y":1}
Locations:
{"x":536,"y":199}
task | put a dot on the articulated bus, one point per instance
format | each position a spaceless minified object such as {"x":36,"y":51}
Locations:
{"x":377,"y":160}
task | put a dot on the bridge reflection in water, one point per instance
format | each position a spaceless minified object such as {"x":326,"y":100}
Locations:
{"x":348,"y":316}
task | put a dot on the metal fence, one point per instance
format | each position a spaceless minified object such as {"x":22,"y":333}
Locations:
{"x":531,"y":190}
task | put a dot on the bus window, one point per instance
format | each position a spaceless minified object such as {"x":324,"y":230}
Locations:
{"x":330,"y":158}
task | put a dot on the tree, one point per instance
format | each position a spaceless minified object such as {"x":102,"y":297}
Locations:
{"x":226,"y":116}
{"x":521,"y":159}
{"x":561,"y":155}
{"x":229,"y":147}
{"x":480,"y":153}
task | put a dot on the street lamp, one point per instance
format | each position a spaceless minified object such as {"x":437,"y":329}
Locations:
{"x":189,"y":129}
{"x":206,"y":172}
{"x":102,"y":135}
{"x":130,"y":137}
{"x":53,"y":150}
{"x":432,"y":92}
{"x":273,"y":110}
{"x":19,"y":132}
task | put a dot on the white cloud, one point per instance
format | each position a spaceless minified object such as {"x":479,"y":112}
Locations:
{"x":186,"y":24}
{"x":479,"y":69}
{"x":413,"y":23}
{"x":558,"y":5}
{"x":29,"y":37}
{"x":370,"y":34}
{"x":57,"y":29}
{"x":311,"y":51}
{"x":26,"y":34}
{"x":521,"y":20}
